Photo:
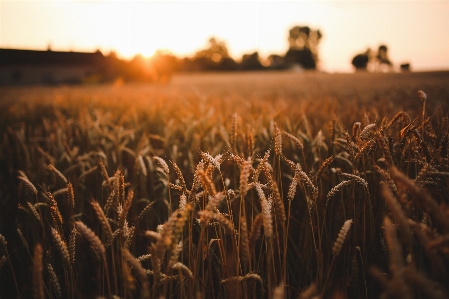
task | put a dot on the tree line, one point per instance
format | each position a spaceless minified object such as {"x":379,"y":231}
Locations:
{"x":302,"y":54}
{"x":215,"y":57}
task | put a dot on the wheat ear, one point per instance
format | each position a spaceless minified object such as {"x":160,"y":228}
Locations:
{"x":105,"y":174}
{"x":61,"y":245}
{"x":266,"y":212}
{"x":422,"y":197}
{"x":278,"y":203}
{"x":356,"y":178}
{"x":341,"y":237}
{"x":55,"y":214}
{"x":125,"y":209}
{"x":207,"y":216}
{"x":206,"y":182}
{"x":91,"y":237}
{"x":334,"y":190}
{"x":398,"y":286}
{"x":183,"y":269}
{"x":70,"y":197}
{"x":27,"y":182}
{"x":292,"y":188}
{"x":398,"y":215}
{"x":179,"y":175}
{"x":57,"y":172}
{"x":323,"y":166}
{"x":244,"y":241}
{"x":103,"y":219}
{"x":293,"y":139}
{"x":163,"y":164}
{"x":277,"y":140}
{"x":142,"y":166}
{"x":72,"y":244}
{"x":244,"y":176}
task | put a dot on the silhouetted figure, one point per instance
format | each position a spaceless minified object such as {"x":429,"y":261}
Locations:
{"x":303,"y":49}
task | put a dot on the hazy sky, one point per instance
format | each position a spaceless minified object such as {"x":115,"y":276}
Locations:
{"x":415,"y":31}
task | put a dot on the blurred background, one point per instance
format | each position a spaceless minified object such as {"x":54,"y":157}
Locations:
{"x":98,"y":41}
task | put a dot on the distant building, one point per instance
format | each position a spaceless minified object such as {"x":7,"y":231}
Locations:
{"x":29,"y":67}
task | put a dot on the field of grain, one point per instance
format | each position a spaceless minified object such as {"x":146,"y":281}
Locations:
{"x":251,"y":185}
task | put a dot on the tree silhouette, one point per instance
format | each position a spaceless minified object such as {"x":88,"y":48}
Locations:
{"x":383,"y":63}
{"x":377,"y":62}
{"x":303,"y":46}
{"x":214,"y":57}
{"x":164,"y":64}
{"x":360,"y":61}
{"x":251,"y":62}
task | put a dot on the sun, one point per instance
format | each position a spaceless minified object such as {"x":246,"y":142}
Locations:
{"x":135,"y":27}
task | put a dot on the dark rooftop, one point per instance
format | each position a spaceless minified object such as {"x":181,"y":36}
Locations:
{"x":32,"y":57}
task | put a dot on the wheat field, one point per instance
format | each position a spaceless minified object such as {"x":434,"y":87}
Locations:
{"x":252,"y":185}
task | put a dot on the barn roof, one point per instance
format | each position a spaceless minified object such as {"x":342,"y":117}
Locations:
{"x":31,"y":57}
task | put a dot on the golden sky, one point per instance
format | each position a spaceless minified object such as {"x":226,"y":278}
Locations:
{"x":415,"y":31}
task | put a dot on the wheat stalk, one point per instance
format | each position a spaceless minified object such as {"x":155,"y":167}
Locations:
{"x":141,"y":164}
{"x":58,"y":173}
{"x":54,"y":280}
{"x":398,"y":215}
{"x":249,"y":276}
{"x":234,"y":128}
{"x":22,"y":176}
{"x":140,"y":271}
{"x":256,"y":228}
{"x":38,"y":284}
